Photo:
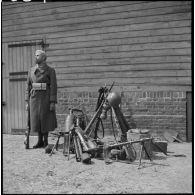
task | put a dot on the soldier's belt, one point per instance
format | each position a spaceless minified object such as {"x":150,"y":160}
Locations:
{"x":39,"y":86}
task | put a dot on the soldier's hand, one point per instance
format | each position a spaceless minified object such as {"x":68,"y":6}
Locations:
{"x":52,"y":106}
{"x":27,"y":107}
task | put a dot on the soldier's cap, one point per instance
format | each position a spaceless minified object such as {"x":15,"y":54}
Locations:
{"x":40,"y":52}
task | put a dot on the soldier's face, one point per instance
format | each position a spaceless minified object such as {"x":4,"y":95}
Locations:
{"x":39,"y":58}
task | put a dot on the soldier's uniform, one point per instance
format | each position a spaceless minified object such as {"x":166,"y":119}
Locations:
{"x":41,"y":91}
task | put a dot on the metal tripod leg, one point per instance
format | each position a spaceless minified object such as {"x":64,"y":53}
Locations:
{"x":146,"y":152}
{"x":140,"y":155}
{"x":76,"y":147}
{"x":66,"y":148}
{"x":56,"y":145}
{"x":141,"y":150}
{"x":69,"y":146}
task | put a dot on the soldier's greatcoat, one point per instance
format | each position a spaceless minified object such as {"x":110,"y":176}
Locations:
{"x":41,"y":118}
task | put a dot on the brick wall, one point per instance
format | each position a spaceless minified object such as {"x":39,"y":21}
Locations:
{"x":154,"y":110}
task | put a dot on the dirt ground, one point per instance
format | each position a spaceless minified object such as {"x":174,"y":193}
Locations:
{"x":34,"y":172}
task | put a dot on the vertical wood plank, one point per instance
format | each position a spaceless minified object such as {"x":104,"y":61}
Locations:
{"x":26,"y":66}
{"x":20,"y":94}
{"x":11,"y":89}
{"x":23,"y":105}
{"x":15,"y":65}
{"x":25,"y":58}
{"x":15,"y":83}
{"x":7,"y":65}
{"x":33,"y":55}
{"x":21,"y":88}
{"x":4,"y":89}
{"x":23,"y":52}
{"x":29,"y":58}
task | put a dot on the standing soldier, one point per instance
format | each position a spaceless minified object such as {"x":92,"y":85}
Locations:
{"x":41,"y":97}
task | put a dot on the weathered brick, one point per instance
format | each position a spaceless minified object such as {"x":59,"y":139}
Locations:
{"x":155,"y":110}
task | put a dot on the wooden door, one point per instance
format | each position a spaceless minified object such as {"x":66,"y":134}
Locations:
{"x":20,"y":59}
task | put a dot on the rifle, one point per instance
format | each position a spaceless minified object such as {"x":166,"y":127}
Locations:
{"x":87,"y":130}
{"x":27,"y":132}
{"x":130,"y":154}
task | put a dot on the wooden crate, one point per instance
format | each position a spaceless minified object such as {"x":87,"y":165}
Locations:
{"x":137,"y":146}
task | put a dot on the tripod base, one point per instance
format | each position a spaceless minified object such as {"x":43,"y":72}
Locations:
{"x":143,"y":148}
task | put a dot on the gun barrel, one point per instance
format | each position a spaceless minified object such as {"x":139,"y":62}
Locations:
{"x":92,"y":120}
{"x":98,"y":112}
{"x":83,"y":142}
{"x":130,"y":142}
{"x":27,"y":132}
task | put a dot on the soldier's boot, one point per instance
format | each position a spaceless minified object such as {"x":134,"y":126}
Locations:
{"x":40,"y":141}
{"x":45,"y":139}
